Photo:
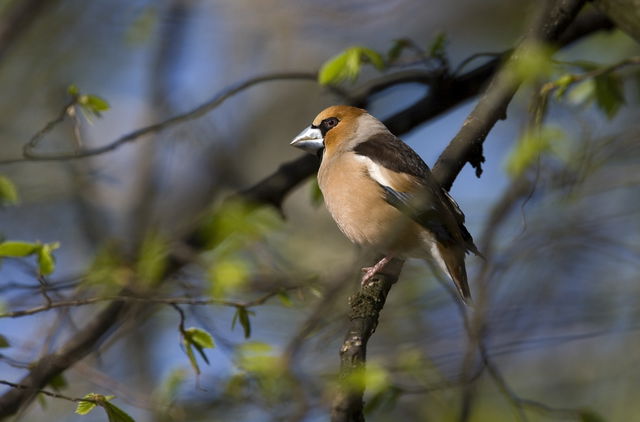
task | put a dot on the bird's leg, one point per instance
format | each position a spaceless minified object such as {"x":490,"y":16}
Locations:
{"x":369,"y":272}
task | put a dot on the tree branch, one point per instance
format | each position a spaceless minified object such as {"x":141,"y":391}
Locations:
{"x":18,"y":19}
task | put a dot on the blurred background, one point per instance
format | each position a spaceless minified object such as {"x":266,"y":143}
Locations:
{"x":560,"y":294}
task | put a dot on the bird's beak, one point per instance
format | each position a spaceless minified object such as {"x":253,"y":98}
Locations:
{"x":309,"y":140}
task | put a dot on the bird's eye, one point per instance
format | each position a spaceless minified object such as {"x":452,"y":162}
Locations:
{"x":328,"y":124}
{"x":331,"y":122}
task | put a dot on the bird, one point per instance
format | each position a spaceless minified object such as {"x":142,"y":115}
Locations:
{"x":383,"y":196}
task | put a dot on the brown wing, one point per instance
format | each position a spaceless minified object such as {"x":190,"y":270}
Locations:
{"x":393,"y":154}
{"x":414,"y":191}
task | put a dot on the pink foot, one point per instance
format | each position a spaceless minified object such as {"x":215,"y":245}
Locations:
{"x":369,"y":272}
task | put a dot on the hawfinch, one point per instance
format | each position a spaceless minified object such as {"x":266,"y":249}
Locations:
{"x":383,"y":196}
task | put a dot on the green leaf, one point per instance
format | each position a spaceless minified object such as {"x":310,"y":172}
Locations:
{"x":608,"y":93}
{"x":562,"y":85}
{"x":590,"y":416}
{"x":373,"y":57}
{"x":97,"y":103}
{"x":73,"y":90}
{"x":16,"y":249}
{"x":200,"y":337}
{"x":203,"y":355}
{"x":334,"y":70}
{"x":347,"y":65}
{"x":188,"y":349}
{"x":438,"y":46}
{"x":94,"y":103}
{"x":582,"y":92}
{"x":8,"y":192}
{"x":92,"y":106}
{"x":530,"y":147}
{"x":115,"y":414}
{"x":4,"y":343}
{"x":84,"y":407}
{"x":245,"y":322}
{"x":46,"y":261}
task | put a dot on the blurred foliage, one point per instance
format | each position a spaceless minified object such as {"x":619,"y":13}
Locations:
{"x":167,"y":391}
{"x":531,"y":146}
{"x":230,"y":232}
{"x":8,"y":192}
{"x":374,"y":378}
{"x":235,"y":223}
{"x":228,"y":273}
{"x":531,"y":63}
{"x":143,"y":27}
{"x":108,"y":270}
{"x":152,"y":259}
{"x":261,"y":366}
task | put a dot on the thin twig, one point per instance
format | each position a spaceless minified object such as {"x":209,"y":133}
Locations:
{"x":574,"y":78}
{"x":48,"y":393}
{"x":159,"y":300}
{"x":30,"y":153}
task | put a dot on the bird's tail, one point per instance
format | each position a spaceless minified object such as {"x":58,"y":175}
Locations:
{"x":453,"y":261}
{"x":458,"y":274}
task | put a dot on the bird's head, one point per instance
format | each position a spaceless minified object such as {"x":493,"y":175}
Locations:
{"x":335,"y":128}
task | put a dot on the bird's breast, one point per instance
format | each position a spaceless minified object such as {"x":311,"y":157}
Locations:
{"x":356,"y":203}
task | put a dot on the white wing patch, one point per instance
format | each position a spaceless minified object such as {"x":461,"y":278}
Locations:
{"x":375,"y":171}
{"x":435,"y":254}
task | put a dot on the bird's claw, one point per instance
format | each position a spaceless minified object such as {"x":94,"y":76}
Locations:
{"x":369,"y":272}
